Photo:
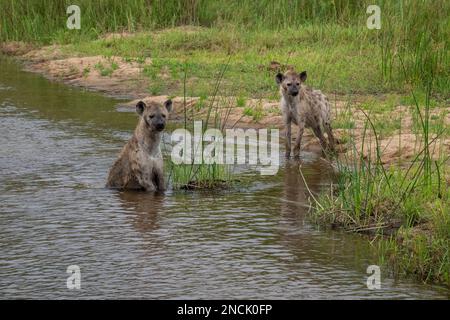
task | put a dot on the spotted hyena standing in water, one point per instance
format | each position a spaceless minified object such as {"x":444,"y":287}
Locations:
{"x":140,"y":163}
{"x":304,"y":107}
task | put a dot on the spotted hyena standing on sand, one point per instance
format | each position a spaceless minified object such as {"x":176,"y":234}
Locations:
{"x":304,"y":107}
{"x":140,"y":163}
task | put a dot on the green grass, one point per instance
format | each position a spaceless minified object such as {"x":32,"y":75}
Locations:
{"x":405,"y":209}
{"x":369,"y":203}
{"x":86,"y":71}
{"x":386,"y":125}
{"x":424,"y":250}
{"x":255,"y":112}
{"x":344,"y":124}
{"x":251,"y":52}
{"x":329,"y":39}
{"x":188,"y":177}
{"x":344,"y":120}
{"x":106,"y":71}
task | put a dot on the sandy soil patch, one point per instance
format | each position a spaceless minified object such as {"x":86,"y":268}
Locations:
{"x":114,"y":76}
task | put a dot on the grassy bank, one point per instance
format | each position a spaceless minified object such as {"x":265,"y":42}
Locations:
{"x":405,"y":209}
{"x":406,"y":217}
{"x":329,"y":39}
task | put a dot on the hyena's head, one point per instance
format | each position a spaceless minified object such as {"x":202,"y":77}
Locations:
{"x":154,"y":115}
{"x":290,"y":82}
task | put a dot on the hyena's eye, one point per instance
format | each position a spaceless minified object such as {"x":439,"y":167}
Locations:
{"x":298,"y":83}
{"x":289,"y":84}
{"x":152,"y":116}
{"x":163,"y":115}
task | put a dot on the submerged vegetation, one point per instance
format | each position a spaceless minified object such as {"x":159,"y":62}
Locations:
{"x":404,"y":207}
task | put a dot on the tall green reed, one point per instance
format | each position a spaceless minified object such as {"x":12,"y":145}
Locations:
{"x":203,"y":175}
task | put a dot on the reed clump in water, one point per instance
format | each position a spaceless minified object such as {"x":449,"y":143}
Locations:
{"x":190,"y":176}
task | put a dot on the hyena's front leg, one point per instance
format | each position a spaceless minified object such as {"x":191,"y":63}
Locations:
{"x":146,"y":182}
{"x":287,"y":121}
{"x":298,"y":140}
{"x":159,"y":180}
{"x":330,"y":137}
{"x":143,"y":176}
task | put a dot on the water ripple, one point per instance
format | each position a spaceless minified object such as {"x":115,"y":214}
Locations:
{"x":250,"y":243}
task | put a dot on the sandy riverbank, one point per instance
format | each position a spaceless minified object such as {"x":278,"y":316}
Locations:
{"x":125,"y":79}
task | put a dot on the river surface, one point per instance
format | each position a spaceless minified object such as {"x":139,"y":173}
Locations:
{"x":249,"y":242}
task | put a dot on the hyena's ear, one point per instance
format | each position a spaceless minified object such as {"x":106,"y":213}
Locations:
{"x":303,"y":76}
{"x":168,"y":105}
{"x":140,"y":108}
{"x":279,"y":78}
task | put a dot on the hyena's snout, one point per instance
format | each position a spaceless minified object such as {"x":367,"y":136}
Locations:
{"x":160,"y":124}
{"x":293,"y":90}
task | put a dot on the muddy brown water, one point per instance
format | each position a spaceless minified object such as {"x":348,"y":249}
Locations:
{"x":253,"y":241}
